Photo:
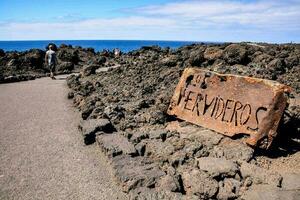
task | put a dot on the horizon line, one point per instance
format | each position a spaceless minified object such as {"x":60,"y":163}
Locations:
{"x":150,"y":40}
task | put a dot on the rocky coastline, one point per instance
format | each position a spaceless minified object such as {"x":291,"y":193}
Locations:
{"x":123,"y":99}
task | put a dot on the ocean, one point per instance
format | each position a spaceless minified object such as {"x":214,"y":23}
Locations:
{"x":98,"y":45}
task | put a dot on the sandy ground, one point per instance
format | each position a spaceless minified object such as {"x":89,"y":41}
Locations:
{"x":41,"y":151}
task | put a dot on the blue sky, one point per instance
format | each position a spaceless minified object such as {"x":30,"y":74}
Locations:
{"x":189,"y":20}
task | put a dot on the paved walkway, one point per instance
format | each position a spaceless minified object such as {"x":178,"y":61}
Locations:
{"x":42,"y":155}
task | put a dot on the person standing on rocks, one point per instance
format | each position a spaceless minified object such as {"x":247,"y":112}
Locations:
{"x":51,"y":60}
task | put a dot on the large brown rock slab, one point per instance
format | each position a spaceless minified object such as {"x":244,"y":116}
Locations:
{"x":230,"y":104}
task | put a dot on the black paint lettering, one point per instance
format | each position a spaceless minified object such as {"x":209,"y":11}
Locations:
{"x":246,"y":110}
{"x":207,"y":105}
{"x":181,"y":94}
{"x":227,"y":106}
{"x":221,"y":101}
{"x":187,"y":99}
{"x":197,"y":103}
{"x":256,"y":118}
{"x":215,"y":105}
{"x":237,"y":106}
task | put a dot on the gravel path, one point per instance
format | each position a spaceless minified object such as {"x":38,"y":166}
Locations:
{"x":42,"y":155}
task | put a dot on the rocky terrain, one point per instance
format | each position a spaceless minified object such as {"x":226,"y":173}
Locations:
{"x":21,"y":66}
{"x":123,"y":101}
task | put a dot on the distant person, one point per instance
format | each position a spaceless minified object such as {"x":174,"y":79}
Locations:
{"x":117,"y":52}
{"x":51,"y":60}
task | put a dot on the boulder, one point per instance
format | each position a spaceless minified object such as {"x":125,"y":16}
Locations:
{"x":277,"y":65}
{"x":138,"y":137}
{"x":292,"y":61}
{"x":158,"y":150}
{"x":217,"y":167}
{"x":228,"y":189}
{"x":89,"y":69}
{"x":170,"y":183}
{"x":115,"y":144}
{"x":68,"y":55}
{"x":213,"y":53}
{"x":65,"y":67}
{"x":135,"y":172}
{"x":232,"y":150}
{"x":196,"y":58}
{"x":235,"y":54}
{"x":198,"y":183}
{"x":169,"y":61}
{"x":144,"y":193}
{"x":260,"y":175}
{"x":35,"y":58}
{"x":89,"y":128}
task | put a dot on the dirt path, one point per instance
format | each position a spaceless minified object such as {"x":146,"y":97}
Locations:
{"x":42,"y":155}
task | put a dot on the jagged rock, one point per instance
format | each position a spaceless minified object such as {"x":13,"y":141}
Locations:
{"x":34,"y":58}
{"x":140,"y":148}
{"x":115,"y":144}
{"x":86,"y":88}
{"x":213,"y":53}
{"x":89,"y":69}
{"x":65,"y":67}
{"x":235,"y":54}
{"x":178,"y":158}
{"x":70,"y":95}
{"x":204,"y":136}
{"x":228,"y":189}
{"x":152,"y":194}
{"x":68,"y":54}
{"x":114,"y":113}
{"x":135,"y":172}
{"x":232,"y":150}
{"x":196,"y":57}
{"x":262,"y":59}
{"x":89,"y":128}
{"x":217,"y":166}
{"x":260,"y":175}
{"x":198,"y":183}
{"x":267,"y":192}
{"x":170,"y":183}
{"x":277,"y":66}
{"x":100,"y":60}
{"x":170,"y":61}
{"x":159,"y":151}
{"x":138,"y":137}
{"x":158,"y":134}
{"x":73,"y":81}
{"x":195,"y":149}
{"x":86,"y":109}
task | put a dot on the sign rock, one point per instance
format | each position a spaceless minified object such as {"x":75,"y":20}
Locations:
{"x":230,"y":104}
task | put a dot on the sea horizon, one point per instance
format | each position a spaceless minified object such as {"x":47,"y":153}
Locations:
{"x":98,"y":45}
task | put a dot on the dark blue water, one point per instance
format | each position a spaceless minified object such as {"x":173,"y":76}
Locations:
{"x":98,"y":45}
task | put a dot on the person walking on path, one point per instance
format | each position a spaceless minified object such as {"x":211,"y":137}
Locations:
{"x":51,"y":60}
